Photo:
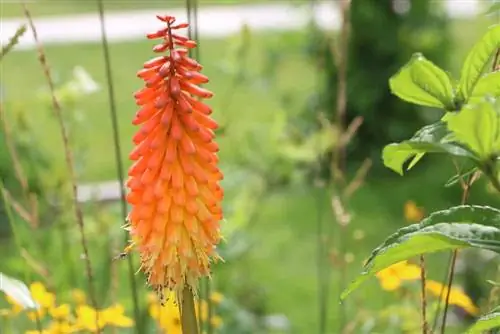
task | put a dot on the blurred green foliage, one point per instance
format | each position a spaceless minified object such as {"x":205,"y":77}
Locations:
{"x":383,"y":36}
{"x":32,"y":160}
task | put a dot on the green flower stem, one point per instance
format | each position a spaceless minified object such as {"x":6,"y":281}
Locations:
{"x":188,"y":313}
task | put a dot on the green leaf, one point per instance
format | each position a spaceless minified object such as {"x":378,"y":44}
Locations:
{"x":460,"y":176}
{"x":455,"y":228}
{"x":493,"y":9}
{"x":477,"y":61}
{"x":488,"y":85}
{"x":422,"y":82}
{"x":486,"y":322}
{"x":478,"y":127}
{"x":18,"y":291}
{"x":430,"y":139}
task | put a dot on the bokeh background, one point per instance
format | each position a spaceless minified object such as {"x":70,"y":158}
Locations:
{"x":271,"y":64}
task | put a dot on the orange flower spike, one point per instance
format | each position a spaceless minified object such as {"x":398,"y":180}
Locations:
{"x":174,"y":183}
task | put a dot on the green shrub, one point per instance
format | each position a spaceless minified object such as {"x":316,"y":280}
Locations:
{"x":382,"y":40}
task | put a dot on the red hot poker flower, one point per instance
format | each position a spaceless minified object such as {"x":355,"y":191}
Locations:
{"x":174,"y":182}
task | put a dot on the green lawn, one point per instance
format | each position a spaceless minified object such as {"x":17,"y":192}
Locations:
{"x":239,"y":108}
{"x":283,"y":233}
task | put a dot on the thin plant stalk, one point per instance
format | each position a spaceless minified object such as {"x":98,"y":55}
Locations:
{"x":119,"y":165}
{"x":441,"y":294}
{"x":210,"y":309}
{"x":12,"y":41}
{"x":338,"y":157}
{"x":188,"y":312}
{"x":425,"y":326}
{"x":205,"y":291}
{"x":17,"y":241}
{"x":321,"y":265}
{"x":31,"y":216}
{"x":451,"y":273}
{"x":341,"y":106}
{"x":16,"y":162}
{"x":69,"y":163}
{"x":201,"y":293}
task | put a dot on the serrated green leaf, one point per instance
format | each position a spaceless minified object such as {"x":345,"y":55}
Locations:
{"x":478,"y":127}
{"x":458,"y":227}
{"x":486,"y":322}
{"x":488,"y":85}
{"x":18,"y":291}
{"x":422,"y":82}
{"x":477,"y":61}
{"x":430,"y":139}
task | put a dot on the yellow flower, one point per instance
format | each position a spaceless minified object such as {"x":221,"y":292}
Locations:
{"x":392,"y":277}
{"x":60,"y":312}
{"x":45,"y":300}
{"x":56,"y":327}
{"x":79,"y":296}
{"x":457,"y":296}
{"x":216,"y":322}
{"x":41,"y":295}
{"x":413,"y":214}
{"x":16,"y":308}
{"x":86,"y":318}
{"x":216,"y":297}
{"x":167,"y":316}
{"x":114,"y":316}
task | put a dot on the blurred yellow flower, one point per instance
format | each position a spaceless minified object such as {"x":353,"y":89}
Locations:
{"x":216,"y":297}
{"x":86,"y":318}
{"x":56,"y":327}
{"x":392,"y":277}
{"x":216,"y":322}
{"x":16,"y":308}
{"x":60,"y":312}
{"x":41,"y":296}
{"x":45,"y":299}
{"x":413,"y":214}
{"x":79,"y":296}
{"x":167,"y":316}
{"x":115,"y":316}
{"x":457,"y":296}
{"x":63,"y":321}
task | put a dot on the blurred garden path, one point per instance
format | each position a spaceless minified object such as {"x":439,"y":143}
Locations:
{"x":214,"y":21}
